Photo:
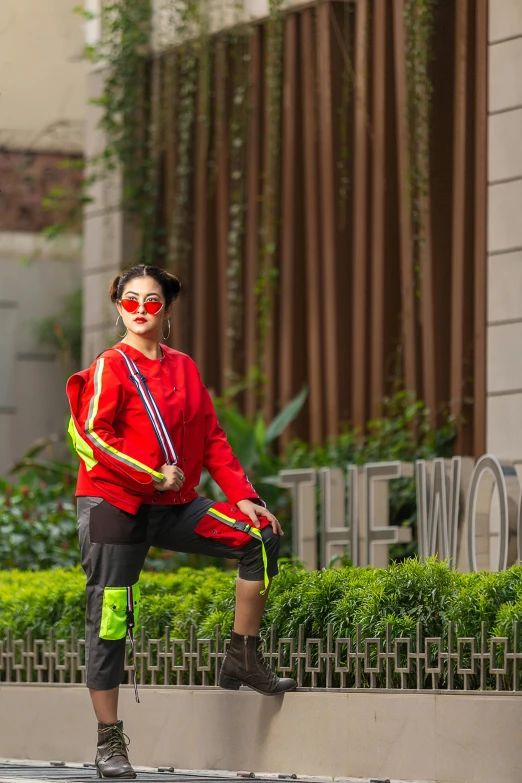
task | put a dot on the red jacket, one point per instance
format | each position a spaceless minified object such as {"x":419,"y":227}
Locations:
{"x":112,"y":433}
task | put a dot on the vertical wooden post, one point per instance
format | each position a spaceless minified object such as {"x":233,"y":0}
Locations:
{"x":480,"y":220}
{"x":312,"y":258}
{"x":327,"y":192}
{"x":378,"y":207}
{"x":222,"y":212}
{"x":252,"y":216}
{"x":427,"y":307}
{"x":427,"y":304}
{"x":405,"y":225}
{"x":360,"y":187}
{"x":169,"y":87}
{"x":270,"y":226}
{"x":459,"y":217}
{"x":287,"y":305}
{"x":155,"y":136}
{"x":200,"y":291}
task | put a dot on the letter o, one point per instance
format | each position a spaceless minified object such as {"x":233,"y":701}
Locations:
{"x":488,"y":464}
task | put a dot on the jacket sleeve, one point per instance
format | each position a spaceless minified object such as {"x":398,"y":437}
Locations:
{"x":220,"y":461}
{"x":103,"y":397}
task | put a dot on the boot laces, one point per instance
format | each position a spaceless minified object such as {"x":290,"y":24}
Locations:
{"x":263,"y":662}
{"x":117,"y":741}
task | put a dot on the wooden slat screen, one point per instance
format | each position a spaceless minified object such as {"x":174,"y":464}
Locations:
{"x":360,"y":305}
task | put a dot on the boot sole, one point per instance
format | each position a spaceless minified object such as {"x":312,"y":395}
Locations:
{"x":230,"y":684}
{"x":127,"y":776}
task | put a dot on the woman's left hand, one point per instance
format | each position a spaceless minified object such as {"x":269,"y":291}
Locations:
{"x":254,"y":511}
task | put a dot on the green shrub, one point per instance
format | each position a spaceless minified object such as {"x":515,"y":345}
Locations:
{"x":404,"y":594}
{"x":37,"y":524}
{"x":507,"y":616}
{"x":482,"y":597}
{"x":43,"y":600}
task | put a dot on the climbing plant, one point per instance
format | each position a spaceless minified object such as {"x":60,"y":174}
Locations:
{"x":123,"y":50}
{"x":139,"y":93}
{"x":192,"y":56}
{"x":419,"y":20}
{"x":269,"y":226}
{"x":153,"y":106}
{"x":239,"y":47}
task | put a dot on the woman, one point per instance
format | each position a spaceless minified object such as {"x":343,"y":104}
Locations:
{"x":144,"y":426}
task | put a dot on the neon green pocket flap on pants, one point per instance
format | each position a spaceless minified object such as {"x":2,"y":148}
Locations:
{"x":114,"y":612}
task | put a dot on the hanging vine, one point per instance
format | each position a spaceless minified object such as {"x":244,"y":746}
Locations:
{"x":239,"y":41}
{"x":192,"y":32}
{"x":344,"y":112}
{"x":269,"y":228}
{"x":419,"y":20}
{"x":151,"y":104}
{"x":124,"y":51}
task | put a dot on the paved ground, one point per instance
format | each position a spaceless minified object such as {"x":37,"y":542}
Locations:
{"x":59,"y":772}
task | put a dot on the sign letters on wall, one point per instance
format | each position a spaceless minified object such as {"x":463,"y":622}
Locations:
{"x":470,"y":514}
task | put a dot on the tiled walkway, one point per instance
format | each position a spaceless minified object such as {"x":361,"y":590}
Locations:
{"x":59,"y":772}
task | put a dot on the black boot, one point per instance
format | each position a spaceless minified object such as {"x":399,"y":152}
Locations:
{"x":112,"y":757}
{"x":244,"y":665}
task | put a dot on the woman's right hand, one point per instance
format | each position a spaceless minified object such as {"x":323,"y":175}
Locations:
{"x":173,"y":479}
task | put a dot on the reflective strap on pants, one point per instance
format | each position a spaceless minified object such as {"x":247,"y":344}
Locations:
{"x":254,"y":532}
{"x":130,"y":631}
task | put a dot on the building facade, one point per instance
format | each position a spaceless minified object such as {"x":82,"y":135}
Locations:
{"x":504,"y":314}
{"x":42,"y":80}
{"x":355,"y":307}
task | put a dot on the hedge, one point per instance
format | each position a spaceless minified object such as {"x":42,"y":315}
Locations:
{"x":403,"y":594}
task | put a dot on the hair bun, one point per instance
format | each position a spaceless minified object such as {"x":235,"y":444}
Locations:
{"x":113,"y":288}
{"x":174,"y":285}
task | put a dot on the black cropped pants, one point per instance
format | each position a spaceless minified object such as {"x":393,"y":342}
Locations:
{"x":114,"y":545}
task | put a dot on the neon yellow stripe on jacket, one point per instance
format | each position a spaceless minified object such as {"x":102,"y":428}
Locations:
{"x":89,"y":429}
{"x":83,"y":450}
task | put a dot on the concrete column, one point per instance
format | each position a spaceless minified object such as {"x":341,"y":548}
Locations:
{"x":32,"y":400}
{"x":103,"y":252}
{"x":504,"y":381}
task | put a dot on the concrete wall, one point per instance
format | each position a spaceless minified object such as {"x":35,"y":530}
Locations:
{"x":504,"y":410}
{"x":32,"y":396}
{"x":42,"y":74}
{"x":104,"y":251}
{"x":42,"y":78}
{"x":448,"y":738}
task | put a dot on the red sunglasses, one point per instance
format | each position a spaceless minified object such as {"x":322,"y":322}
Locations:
{"x":132,"y":306}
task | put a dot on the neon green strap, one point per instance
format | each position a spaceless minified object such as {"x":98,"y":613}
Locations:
{"x":244,"y":527}
{"x":257,"y":533}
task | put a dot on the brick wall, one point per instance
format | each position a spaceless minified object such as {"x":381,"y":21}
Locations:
{"x":26,"y":178}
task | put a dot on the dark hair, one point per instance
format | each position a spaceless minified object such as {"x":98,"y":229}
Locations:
{"x":169,"y":284}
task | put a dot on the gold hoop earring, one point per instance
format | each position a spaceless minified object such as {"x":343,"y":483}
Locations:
{"x":121,"y":336}
{"x":166,"y":336}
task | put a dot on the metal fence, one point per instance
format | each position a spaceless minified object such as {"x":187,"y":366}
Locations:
{"x":418,"y":663}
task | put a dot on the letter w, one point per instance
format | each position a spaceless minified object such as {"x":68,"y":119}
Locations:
{"x":437,"y":528}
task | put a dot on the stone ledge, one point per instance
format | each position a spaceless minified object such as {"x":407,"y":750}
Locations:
{"x":400,"y":736}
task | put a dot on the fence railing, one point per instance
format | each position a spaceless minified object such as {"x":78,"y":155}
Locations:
{"x":420,"y":663}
